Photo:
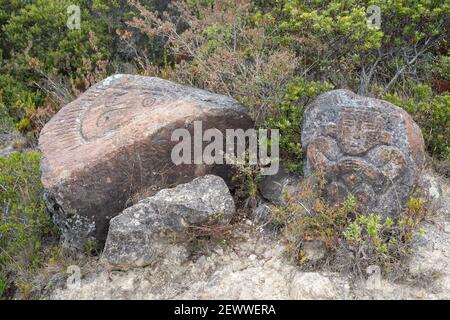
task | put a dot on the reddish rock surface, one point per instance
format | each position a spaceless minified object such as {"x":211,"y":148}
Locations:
{"x":114,"y":142}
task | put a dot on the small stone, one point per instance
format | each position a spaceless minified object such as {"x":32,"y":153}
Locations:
{"x":131,"y":244}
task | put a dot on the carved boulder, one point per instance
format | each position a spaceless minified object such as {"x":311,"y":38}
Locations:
{"x":363,"y":146}
{"x":114,"y":143}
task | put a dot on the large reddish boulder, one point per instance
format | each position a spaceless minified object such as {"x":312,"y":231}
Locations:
{"x":114,"y":142}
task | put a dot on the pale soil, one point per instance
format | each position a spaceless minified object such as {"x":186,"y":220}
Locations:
{"x":255,"y":267}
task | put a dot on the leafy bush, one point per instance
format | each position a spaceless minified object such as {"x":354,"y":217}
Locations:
{"x":217,"y":46}
{"x":23,"y":220}
{"x":354,"y":239}
{"x":37,"y":46}
{"x":337,"y":43}
{"x":432,"y":114}
{"x":289,"y":118}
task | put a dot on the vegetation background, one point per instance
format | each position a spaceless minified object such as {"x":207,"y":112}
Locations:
{"x":274,"y":56}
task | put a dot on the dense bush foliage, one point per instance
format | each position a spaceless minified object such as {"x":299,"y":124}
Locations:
{"x":431,"y":111}
{"x":337,"y":43}
{"x":288,"y":118}
{"x":44,"y":64}
{"x":23,"y":220}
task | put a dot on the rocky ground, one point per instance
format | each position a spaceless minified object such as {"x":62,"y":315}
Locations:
{"x":252,"y":266}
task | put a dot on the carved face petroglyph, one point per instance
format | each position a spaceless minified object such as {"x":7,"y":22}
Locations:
{"x":359,"y":131}
{"x":362,"y":146}
{"x":366,"y":162}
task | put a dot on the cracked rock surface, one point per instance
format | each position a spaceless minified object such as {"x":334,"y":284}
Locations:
{"x":135,"y":237}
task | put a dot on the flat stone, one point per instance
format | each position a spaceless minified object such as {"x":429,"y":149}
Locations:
{"x":363,"y":146}
{"x":136,"y":237}
{"x":114,"y":142}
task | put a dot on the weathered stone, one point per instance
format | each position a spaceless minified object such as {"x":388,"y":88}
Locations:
{"x":275,"y":187}
{"x":363,"y":146}
{"x":114,"y":142}
{"x":317,"y":286}
{"x":136,"y":236}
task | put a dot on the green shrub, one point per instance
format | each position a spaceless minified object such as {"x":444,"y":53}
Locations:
{"x":354,"y":239}
{"x":337,"y":44}
{"x":6,"y":122}
{"x":432,"y":113}
{"x":41,"y":58}
{"x":441,"y":68}
{"x":289,"y":118}
{"x":23,"y":220}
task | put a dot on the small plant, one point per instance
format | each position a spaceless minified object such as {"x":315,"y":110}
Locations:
{"x":289,"y":118}
{"x":354,"y":239}
{"x":23,"y":220}
{"x":91,"y":247}
{"x":201,"y":238}
{"x":246,"y":177}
